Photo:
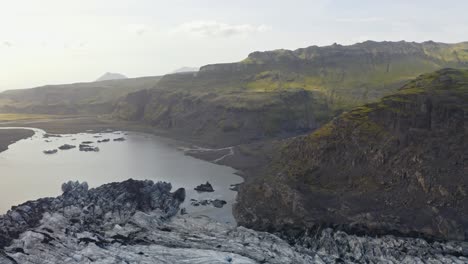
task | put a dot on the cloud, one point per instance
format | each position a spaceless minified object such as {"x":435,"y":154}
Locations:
{"x":138,"y":29}
{"x":217,"y":29}
{"x":359,"y":20}
{"x":7,"y":44}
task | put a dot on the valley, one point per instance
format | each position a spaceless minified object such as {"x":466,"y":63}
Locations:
{"x":337,"y":146}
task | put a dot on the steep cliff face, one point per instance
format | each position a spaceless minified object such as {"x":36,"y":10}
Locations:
{"x":397,"y":165}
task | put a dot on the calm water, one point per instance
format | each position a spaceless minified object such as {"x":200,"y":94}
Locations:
{"x":27,"y":173}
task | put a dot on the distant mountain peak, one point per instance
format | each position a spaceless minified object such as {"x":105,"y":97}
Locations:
{"x":111,"y":76}
{"x":186,"y":69}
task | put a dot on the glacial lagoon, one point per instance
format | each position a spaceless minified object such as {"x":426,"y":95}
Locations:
{"x":27,"y":173}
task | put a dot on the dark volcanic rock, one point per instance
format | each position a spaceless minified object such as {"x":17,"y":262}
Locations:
{"x":119,"y":139}
{"x":235,"y":187}
{"x":395,"y":166}
{"x":87,"y":148}
{"x":48,"y":152}
{"x":218,"y":203}
{"x":51,"y":135}
{"x":204,"y":187}
{"x":103,"y":140}
{"x":66,"y":147}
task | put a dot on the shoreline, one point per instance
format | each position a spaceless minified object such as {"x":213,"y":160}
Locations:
{"x":247,"y":160}
{"x":11,"y":136}
{"x":226,"y":156}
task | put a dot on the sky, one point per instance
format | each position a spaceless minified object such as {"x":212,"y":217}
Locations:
{"x":65,"y":41}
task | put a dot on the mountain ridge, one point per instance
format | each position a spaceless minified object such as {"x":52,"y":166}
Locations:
{"x":335,"y":79}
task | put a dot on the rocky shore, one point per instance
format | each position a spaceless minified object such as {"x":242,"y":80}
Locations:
{"x":138,"y":222}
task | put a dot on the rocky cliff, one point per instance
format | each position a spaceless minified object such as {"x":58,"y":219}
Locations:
{"x":136,"y":222}
{"x":394,"y":166}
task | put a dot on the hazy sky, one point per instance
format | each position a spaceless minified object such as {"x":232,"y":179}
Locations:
{"x":63,"y":41}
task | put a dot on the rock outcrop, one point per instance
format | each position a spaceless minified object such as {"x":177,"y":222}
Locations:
{"x":109,"y":204}
{"x":395,"y":166}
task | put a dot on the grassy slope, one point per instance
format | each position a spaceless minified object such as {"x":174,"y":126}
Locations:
{"x":21,"y":117}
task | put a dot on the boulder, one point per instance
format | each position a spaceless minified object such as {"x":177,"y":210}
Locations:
{"x":207,"y":187}
{"x":218,"y":203}
{"x":66,"y":147}
{"x":88,"y":148}
{"x":52,"y":151}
